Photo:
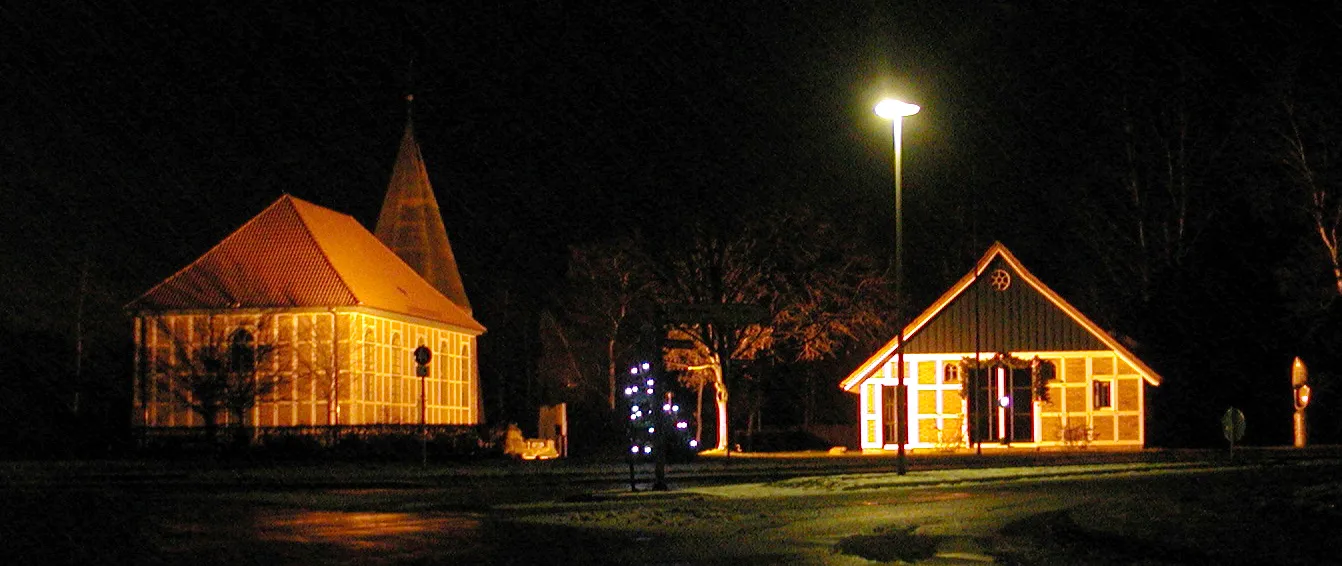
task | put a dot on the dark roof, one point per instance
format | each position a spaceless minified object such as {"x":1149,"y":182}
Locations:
{"x":1049,"y":322}
{"x":1011,"y":317}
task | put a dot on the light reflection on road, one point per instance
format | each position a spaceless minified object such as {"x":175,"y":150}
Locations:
{"x":264,"y":534}
{"x":363,"y":530}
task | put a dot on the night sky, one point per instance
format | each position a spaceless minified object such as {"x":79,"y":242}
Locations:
{"x":135,"y":135}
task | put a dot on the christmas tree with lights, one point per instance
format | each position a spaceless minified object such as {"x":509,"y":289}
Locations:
{"x":652,"y":412}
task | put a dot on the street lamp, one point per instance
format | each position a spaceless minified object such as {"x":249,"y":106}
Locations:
{"x":895,"y":111}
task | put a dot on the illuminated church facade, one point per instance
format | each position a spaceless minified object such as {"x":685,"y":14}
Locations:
{"x":303,"y":318}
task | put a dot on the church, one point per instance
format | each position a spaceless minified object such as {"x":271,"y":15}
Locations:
{"x":303,"y":318}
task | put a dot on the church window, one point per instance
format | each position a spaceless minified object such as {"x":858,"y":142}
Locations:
{"x":242,"y":352}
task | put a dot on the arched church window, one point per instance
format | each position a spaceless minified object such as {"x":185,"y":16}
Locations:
{"x":369,"y":351}
{"x":242,"y":351}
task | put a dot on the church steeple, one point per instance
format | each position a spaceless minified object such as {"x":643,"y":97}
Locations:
{"x":411,"y":224}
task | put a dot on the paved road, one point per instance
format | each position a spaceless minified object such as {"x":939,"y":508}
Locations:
{"x":1192,"y":512}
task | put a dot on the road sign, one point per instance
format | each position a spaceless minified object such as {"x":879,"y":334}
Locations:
{"x":423,"y":355}
{"x":1232,"y":425}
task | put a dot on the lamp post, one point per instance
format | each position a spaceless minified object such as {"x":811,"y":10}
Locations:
{"x":895,"y":111}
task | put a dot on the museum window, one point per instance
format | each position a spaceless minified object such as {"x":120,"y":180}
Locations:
{"x":950,"y":373}
{"x":1102,"y":394}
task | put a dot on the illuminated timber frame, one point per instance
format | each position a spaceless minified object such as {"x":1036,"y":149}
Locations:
{"x":1068,"y":416}
{"x":322,"y":381}
{"x":334,"y":311}
{"x":937,"y":409}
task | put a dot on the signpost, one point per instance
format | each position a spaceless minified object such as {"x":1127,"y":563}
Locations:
{"x":1232,"y":427}
{"x":422,"y":357}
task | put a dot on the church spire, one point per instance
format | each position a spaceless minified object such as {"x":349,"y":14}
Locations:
{"x":411,"y":224}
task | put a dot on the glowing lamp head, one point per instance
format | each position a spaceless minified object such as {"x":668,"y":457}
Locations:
{"x":1301,"y":397}
{"x":1004,"y":401}
{"x":891,"y":109}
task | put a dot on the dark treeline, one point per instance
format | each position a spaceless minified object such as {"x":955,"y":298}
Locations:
{"x":1169,"y":170}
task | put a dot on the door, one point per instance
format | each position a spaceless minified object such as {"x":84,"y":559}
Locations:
{"x":890,"y":414}
{"x":1022,"y":406}
{"x":1001,"y":405}
{"x":982,"y":407}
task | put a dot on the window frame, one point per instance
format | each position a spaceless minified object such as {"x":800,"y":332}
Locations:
{"x":950,"y":373}
{"x":1105,"y":385}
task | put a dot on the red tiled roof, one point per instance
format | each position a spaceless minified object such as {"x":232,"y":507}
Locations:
{"x":297,"y":254}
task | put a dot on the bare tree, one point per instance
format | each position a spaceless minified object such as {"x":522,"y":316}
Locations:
{"x":815,"y":293}
{"x":838,"y":300}
{"x":1309,"y":158}
{"x":609,"y":285}
{"x":1146,"y":205}
{"x":715,"y":269}
{"x":560,"y":366}
{"x":216,"y":370}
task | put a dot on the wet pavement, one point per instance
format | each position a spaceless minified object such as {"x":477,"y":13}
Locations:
{"x":147,"y":514}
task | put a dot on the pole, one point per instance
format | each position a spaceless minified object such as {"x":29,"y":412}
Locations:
{"x":1301,"y":439}
{"x":422,"y":358}
{"x":901,"y":389}
{"x":660,"y":399}
{"x":423,"y":412}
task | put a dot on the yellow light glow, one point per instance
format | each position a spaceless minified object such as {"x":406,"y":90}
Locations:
{"x":891,"y":109}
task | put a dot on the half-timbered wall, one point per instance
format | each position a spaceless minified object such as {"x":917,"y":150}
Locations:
{"x":362,"y":359}
{"x":386,"y":390}
{"x":1075,"y":413}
